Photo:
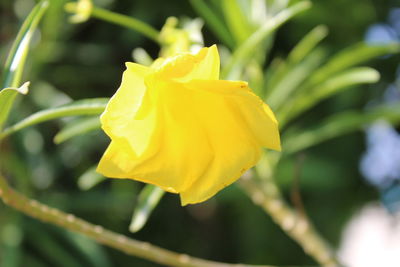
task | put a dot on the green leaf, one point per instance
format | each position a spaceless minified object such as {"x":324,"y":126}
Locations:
{"x":93,"y":106}
{"x":90,"y":178}
{"x":307,"y":44}
{"x":214,"y":21}
{"x":304,"y":48}
{"x":149,"y":197}
{"x":16,"y":58}
{"x":330,"y":87}
{"x":237,"y":21}
{"x":337,"y":125}
{"x":350,"y":57}
{"x":7,"y":98}
{"x":293,"y":77}
{"x":245,"y":50}
{"x":77,"y":127}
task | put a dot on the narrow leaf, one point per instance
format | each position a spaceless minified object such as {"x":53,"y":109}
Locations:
{"x":7,"y":98}
{"x":245,"y":50}
{"x":90,"y":178}
{"x":149,"y":197}
{"x":337,"y":125}
{"x":305,"y":47}
{"x":214,"y":21}
{"x":237,"y":21}
{"x":16,"y":58}
{"x":307,"y":44}
{"x":93,"y":106}
{"x":77,"y":127}
{"x":293,"y":77}
{"x":350,"y":57}
{"x":332,"y":86}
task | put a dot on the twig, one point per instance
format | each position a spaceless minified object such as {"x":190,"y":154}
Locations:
{"x":297,"y":227}
{"x":120,"y":242}
{"x":295,"y":193}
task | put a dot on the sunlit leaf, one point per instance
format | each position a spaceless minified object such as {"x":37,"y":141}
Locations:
{"x":244,"y":51}
{"x":293,"y":78}
{"x":7,"y":98}
{"x":330,"y":87}
{"x":16,"y":58}
{"x":149,"y":197}
{"x":236,"y":19}
{"x":90,"y":178}
{"x":304,"y":48}
{"x":307,"y":44}
{"x":337,"y":125}
{"x":214,"y":21}
{"x":77,"y":127}
{"x":350,"y":57}
{"x":93,"y":106}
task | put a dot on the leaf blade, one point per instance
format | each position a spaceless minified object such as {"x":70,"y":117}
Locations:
{"x":7,"y":98}
{"x":77,"y":128}
{"x":237,"y":21}
{"x":16,"y":58}
{"x":90,"y":178}
{"x":216,"y":25}
{"x":337,"y":125}
{"x":149,"y":197}
{"x":350,"y":57}
{"x":92,"y":106}
{"x":332,"y":86}
{"x":245,"y":50}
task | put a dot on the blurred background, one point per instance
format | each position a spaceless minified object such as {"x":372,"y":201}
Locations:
{"x":345,"y":183}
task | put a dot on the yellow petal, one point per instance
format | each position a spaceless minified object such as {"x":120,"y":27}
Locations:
{"x":234,"y":147}
{"x":248,"y":107}
{"x":208,"y":65}
{"x":117,"y":160}
{"x":203,"y":65}
{"x":181,"y":152}
{"x":129,"y":114}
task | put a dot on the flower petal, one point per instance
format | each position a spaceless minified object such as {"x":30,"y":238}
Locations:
{"x":208,"y":65}
{"x":248,"y":107}
{"x":234,"y":147}
{"x":130,"y":115}
{"x":180,"y":149}
{"x":117,"y":160}
{"x":184,"y":67}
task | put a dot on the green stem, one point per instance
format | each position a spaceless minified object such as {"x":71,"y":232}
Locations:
{"x":126,"y":21}
{"x":117,"y":241}
{"x":296,"y":225}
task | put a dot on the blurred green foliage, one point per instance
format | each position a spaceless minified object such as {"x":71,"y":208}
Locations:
{"x":77,"y":61}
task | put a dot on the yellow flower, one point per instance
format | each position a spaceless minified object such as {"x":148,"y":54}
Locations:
{"x":81,"y":10}
{"x":177,"y":126}
{"x":178,"y":38}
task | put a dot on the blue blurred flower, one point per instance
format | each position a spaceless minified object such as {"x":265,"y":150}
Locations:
{"x":394,"y":19}
{"x":380,"y":34}
{"x":380,"y":165}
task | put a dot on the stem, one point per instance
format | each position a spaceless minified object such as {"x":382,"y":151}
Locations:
{"x":126,"y":21}
{"x":295,"y":225}
{"x":96,"y":232}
